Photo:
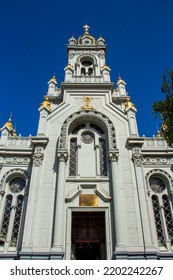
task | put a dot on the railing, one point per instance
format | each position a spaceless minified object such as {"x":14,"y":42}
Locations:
{"x":155,"y":142}
{"x":87,"y":79}
{"x":22,"y":142}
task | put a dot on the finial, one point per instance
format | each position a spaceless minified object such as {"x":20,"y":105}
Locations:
{"x":53,"y":79}
{"x":129,"y":104}
{"x":158,"y":134}
{"x":45,"y":103}
{"x":14,"y":131}
{"x":86,"y":28}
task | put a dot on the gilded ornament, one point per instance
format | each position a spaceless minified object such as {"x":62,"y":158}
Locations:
{"x":45,"y":104}
{"x":87,"y":105}
{"x":129,"y":104}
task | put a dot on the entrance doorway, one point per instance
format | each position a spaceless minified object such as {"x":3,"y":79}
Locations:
{"x":88,"y":235}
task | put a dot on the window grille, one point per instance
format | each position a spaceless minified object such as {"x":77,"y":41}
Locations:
{"x":158,"y":221}
{"x":73,"y":157}
{"x":103,"y":162}
{"x":17,"y":220}
{"x":6,"y":220}
{"x":168,"y":217}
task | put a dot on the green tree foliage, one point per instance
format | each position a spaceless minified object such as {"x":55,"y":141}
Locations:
{"x":164,"y":108}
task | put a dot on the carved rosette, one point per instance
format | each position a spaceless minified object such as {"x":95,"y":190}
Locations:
{"x":38,"y":156}
{"x":62,"y":155}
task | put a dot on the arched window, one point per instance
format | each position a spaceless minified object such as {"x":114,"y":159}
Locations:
{"x":87,"y":66}
{"x":87,"y":149}
{"x":162,"y":209}
{"x":11,"y":211}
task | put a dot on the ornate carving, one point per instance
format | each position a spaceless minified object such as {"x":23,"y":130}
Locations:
{"x":136,"y":157}
{"x":17,"y":160}
{"x":148,"y":160}
{"x":113,"y":155}
{"x":38,"y":155}
{"x":62,"y":155}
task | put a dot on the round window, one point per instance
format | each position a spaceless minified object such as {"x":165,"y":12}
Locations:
{"x":87,"y":137}
{"x":17,"y":184}
{"x":156,"y":184}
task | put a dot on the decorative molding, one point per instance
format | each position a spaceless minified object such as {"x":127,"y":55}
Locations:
{"x":150,"y":160}
{"x":17,"y":160}
{"x":89,"y":115}
{"x":143,"y":159}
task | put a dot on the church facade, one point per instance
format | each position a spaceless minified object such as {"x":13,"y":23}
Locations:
{"x":87,"y":186}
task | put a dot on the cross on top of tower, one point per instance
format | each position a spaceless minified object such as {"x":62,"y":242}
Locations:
{"x":86,"y":28}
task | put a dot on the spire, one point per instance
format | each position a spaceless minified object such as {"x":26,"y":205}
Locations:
{"x":52,"y":86}
{"x":53,"y":79}
{"x":120,"y":80}
{"x":86,"y":29}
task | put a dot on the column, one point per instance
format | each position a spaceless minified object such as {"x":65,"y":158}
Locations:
{"x":113,"y":157}
{"x":59,"y":207}
{"x":32,"y":203}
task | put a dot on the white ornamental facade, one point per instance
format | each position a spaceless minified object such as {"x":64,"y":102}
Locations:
{"x":87,"y":186}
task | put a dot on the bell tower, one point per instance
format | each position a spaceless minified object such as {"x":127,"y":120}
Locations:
{"x":86,"y":59}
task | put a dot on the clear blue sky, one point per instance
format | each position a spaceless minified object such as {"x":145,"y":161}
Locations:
{"x":33,"y":38}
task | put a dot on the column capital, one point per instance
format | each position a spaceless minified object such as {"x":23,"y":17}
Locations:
{"x":113,"y":155}
{"x":62,"y":155}
{"x":38,"y":155}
